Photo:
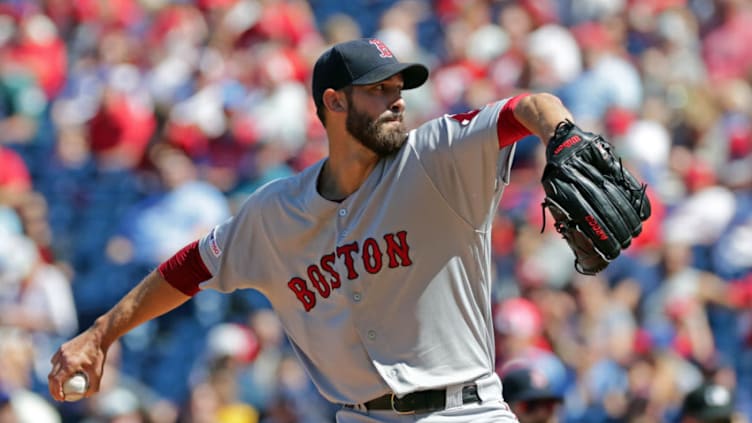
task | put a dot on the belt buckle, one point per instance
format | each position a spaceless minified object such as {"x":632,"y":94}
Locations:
{"x":400,"y":412}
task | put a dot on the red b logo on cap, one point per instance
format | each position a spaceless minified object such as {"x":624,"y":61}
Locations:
{"x":383,"y":49}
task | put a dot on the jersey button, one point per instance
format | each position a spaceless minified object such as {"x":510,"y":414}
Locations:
{"x":356,"y":297}
{"x":343,"y":212}
{"x":371,"y":334}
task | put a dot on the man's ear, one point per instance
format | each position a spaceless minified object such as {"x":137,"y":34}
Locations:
{"x":334,"y":101}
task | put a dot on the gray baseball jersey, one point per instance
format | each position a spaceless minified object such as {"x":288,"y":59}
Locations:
{"x":388,"y":290}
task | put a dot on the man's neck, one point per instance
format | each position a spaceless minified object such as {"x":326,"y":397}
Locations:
{"x":345,"y":171}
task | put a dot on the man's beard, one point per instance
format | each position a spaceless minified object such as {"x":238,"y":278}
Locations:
{"x":374,"y":134}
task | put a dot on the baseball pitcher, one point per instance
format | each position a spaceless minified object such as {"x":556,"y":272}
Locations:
{"x":377,"y":259}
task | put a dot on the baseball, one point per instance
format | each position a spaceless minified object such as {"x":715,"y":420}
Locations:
{"x":75,"y":387}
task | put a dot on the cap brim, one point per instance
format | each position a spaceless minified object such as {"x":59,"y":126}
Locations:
{"x":715,"y":414}
{"x":413,"y":74}
{"x":533,"y":395}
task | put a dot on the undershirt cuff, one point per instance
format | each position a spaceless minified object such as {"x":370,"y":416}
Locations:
{"x":508,"y":128}
{"x":185,"y":270}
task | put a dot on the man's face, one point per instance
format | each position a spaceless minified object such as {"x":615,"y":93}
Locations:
{"x":375,"y":115}
{"x":536,"y":411}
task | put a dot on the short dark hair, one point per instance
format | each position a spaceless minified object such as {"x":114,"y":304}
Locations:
{"x":321,"y":109}
{"x":320,"y":114}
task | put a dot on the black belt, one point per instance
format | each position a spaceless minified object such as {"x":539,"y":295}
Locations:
{"x":418,"y":402}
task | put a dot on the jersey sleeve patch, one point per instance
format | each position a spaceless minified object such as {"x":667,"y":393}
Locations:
{"x":509,"y":129}
{"x":214,"y":247}
{"x":185,"y":270}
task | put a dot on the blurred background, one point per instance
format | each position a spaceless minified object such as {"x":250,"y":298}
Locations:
{"x":128,"y":128}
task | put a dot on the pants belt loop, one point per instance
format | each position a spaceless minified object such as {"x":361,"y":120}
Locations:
{"x":489,"y":387}
{"x":454,"y":396}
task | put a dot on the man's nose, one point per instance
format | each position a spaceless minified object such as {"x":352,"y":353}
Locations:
{"x":398,"y":106}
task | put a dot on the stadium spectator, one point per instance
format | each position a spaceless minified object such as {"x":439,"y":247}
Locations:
{"x":528,"y":392}
{"x":708,"y":402}
{"x":14,"y":175}
{"x":182,"y":207}
{"x":35,"y":299}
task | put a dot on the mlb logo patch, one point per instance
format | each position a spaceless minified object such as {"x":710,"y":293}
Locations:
{"x":213,"y":244}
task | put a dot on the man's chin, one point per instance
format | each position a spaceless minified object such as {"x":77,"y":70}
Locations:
{"x":390,"y":148}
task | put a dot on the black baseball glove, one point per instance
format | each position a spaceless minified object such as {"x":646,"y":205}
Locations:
{"x":597,"y":204}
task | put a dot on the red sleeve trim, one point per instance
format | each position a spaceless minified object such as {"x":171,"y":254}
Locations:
{"x":185,"y":270}
{"x":508,"y":128}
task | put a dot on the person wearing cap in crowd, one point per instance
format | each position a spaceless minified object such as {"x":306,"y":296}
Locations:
{"x":528,"y":392}
{"x":708,"y":403}
{"x":387,"y":321}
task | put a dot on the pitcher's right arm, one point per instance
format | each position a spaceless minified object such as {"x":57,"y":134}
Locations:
{"x":151,"y":298}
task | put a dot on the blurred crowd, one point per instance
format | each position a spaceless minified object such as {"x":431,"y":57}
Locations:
{"x":128,"y":128}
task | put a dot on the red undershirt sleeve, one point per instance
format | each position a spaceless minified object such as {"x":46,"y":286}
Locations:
{"x":508,"y":128}
{"x":185,"y":270}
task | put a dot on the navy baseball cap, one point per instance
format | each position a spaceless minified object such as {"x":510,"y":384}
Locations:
{"x":709,"y":402}
{"x":527,"y":384}
{"x":361,"y":62}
